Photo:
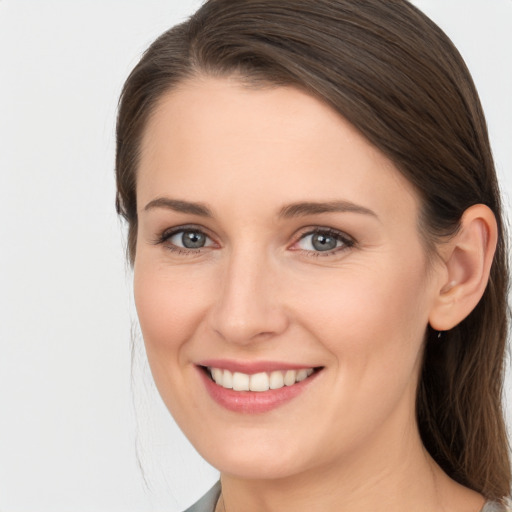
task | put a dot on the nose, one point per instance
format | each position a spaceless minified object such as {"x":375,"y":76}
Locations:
{"x":248,"y":307}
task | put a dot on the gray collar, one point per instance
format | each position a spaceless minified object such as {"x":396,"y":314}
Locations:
{"x":208,"y":502}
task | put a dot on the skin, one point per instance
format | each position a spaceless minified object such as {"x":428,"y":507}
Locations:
{"x":259,"y":291}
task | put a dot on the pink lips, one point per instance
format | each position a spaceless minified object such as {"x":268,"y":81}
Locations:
{"x":250,"y":367}
{"x":251,"y":402}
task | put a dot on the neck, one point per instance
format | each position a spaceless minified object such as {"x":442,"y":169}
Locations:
{"x":398,"y":476}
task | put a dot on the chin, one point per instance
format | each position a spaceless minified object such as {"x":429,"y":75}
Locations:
{"x":255,"y":461}
{"x":274,"y":468}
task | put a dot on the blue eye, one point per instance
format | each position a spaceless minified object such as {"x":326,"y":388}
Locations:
{"x":324,"y":241}
{"x":188,"y":239}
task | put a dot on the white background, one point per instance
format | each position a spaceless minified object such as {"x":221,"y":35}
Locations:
{"x":68,"y":432}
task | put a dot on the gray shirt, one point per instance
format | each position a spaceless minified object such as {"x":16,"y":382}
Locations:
{"x":208,"y":502}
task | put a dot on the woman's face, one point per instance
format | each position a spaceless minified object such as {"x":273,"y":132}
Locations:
{"x":274,"y":238}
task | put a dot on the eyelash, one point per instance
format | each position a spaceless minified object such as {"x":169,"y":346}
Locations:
{"x":347,"y":241}
{"x":169,"y":233}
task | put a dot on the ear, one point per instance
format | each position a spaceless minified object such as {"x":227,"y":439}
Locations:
{"x":466,"y":265}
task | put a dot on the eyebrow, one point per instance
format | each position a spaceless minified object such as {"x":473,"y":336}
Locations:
{"x":179,"y":206}
{"x":314,"y":208}
{"x":300,"y":209}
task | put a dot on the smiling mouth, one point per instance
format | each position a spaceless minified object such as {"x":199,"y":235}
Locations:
{"x":259,"y":382}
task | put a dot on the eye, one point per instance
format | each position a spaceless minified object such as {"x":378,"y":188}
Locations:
{"x":188,"y":239}
{"x":324,"y":240}
{"x":185,"y":239}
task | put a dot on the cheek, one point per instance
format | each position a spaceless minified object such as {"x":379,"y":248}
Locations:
{"x":373,"y":324}
{"x":169,"y":306}
{"x":371,"y":319}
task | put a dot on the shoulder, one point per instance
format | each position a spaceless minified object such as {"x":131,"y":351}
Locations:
{"x":498,"y":506}
{"x":208,"y":502}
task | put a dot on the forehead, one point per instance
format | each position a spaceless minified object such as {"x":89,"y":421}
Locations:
{"x":216,"y":139}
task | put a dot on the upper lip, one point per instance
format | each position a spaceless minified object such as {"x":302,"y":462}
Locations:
{"x":252,"y":367}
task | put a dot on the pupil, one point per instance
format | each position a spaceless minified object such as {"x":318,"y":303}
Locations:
{"x":324,"y":242}
{"x":193,"y":240}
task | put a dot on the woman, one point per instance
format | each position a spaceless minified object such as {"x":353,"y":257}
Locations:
{"x":319,"y":258}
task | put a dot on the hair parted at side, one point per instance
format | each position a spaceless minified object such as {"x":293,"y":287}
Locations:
{"x":392,"y":73}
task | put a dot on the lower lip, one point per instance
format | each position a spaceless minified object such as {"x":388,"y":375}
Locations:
{"x":253,"y":402}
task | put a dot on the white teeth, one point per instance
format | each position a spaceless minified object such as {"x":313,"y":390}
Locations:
{"x":276,"y":380}
{"x":262,"y":381}
{"x":227,"y":379}
{"x":217,"y":374}
{"x":259,"y":382}
{"x":240,"y":381}
{"x":301,"y":375}
{"x":289,"y":377}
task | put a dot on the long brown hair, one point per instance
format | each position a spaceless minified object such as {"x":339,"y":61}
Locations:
{"x":391,"y":72}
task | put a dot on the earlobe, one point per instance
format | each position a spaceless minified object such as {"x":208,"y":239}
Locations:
{"x":467,"y":260}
